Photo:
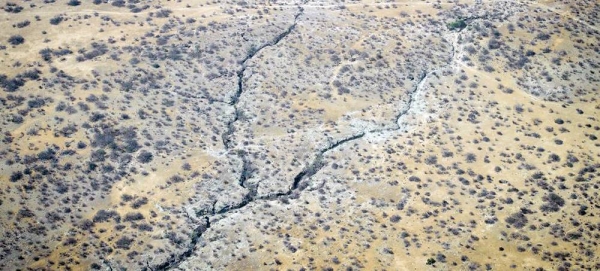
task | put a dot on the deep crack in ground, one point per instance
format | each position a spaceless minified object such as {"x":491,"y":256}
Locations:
{"x":175,"y":260}
{"x":240,"y":78}
{"x":310,"y":170}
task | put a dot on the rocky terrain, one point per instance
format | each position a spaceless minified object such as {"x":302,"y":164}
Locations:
{"x":299,"y":135}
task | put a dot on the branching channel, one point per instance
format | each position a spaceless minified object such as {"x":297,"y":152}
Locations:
{"x":297,"y":185}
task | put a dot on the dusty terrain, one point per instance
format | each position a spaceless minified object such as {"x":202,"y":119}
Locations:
{"x":299,"y":135}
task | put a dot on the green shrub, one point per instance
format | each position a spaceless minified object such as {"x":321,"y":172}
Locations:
{"x":459,"y":24}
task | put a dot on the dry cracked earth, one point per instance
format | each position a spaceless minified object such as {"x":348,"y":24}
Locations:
{"x":299,"y":135}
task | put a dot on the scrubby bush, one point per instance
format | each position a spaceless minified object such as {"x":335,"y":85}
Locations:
{"x":24,"y":212}
{"x":118,"y":3}
{"x":126,"y":197}
{"x":457,"y":25}
{"x":163,"y":13}
{"x":124,"y":243}
{"x":145,"y":157}
{"x":16,"y":40}
{"x":517,"y":220}
{"x":17,"y":119}
{"x":48,"y":154}
{"x":131,"y":145}
{"x":133,"y":217}
{"x":97,"y":116}
{"x":553,"y":203}
{"x":36,"y":102}
{"x":46,"y":54}
{"x":56,"y":20}
{"x":414,"y":179}
{"x":98,"y":155}
{"x":12,"y":8}
{"x":139,"y":203}
{"x":15,"y":176}
{"x":553,"y":158}
{"x":98,"y":49}
{"x":103,"y":216}
{"x":22,"y":24}
{"x":431,"y":160}
{"x":31,"y":74}
{"x":81,"y":145}
{"x":543,"y":36}
{"x":74,"y":3}
{"x":62,"y":52}
{"x":145,"y":227}
{"x":470,"y":157}
{"x":494,"y":44}
{"x":176,"y":179}
{"x":103,"y":139}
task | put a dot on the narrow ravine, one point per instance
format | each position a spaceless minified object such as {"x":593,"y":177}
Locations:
{"x":411,"y":98}
{"x":226,"y":137}
{"x":175,"y":260}
{"x":317,"y":163}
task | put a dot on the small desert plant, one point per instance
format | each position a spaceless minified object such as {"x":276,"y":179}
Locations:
{"x":16,"y":40}
{"x":103,"y":216}
{"x":543,"y":36}
{"x":124,"y":243}
{"x":12,"y":8}
{"x":23,"y":24}
{"x":553,"y":203}
{"x":431,"y":160}
{"x":145,"y":157}
{"x":48,"y":154}
{"x":15,"y":176}
{"x":74,"y":3}
{"x":56,"y":20}
{"x":470,"y":158}
{"x":46,"y":54}
{"x":458,"y":24}
{"x":517,"y":220}
{"x":139,"y":203}
{"x":133,"y":217}
{"x":118,"y":3}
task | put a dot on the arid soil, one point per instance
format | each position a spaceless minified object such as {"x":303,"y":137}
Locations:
{"x":299,"y":135}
